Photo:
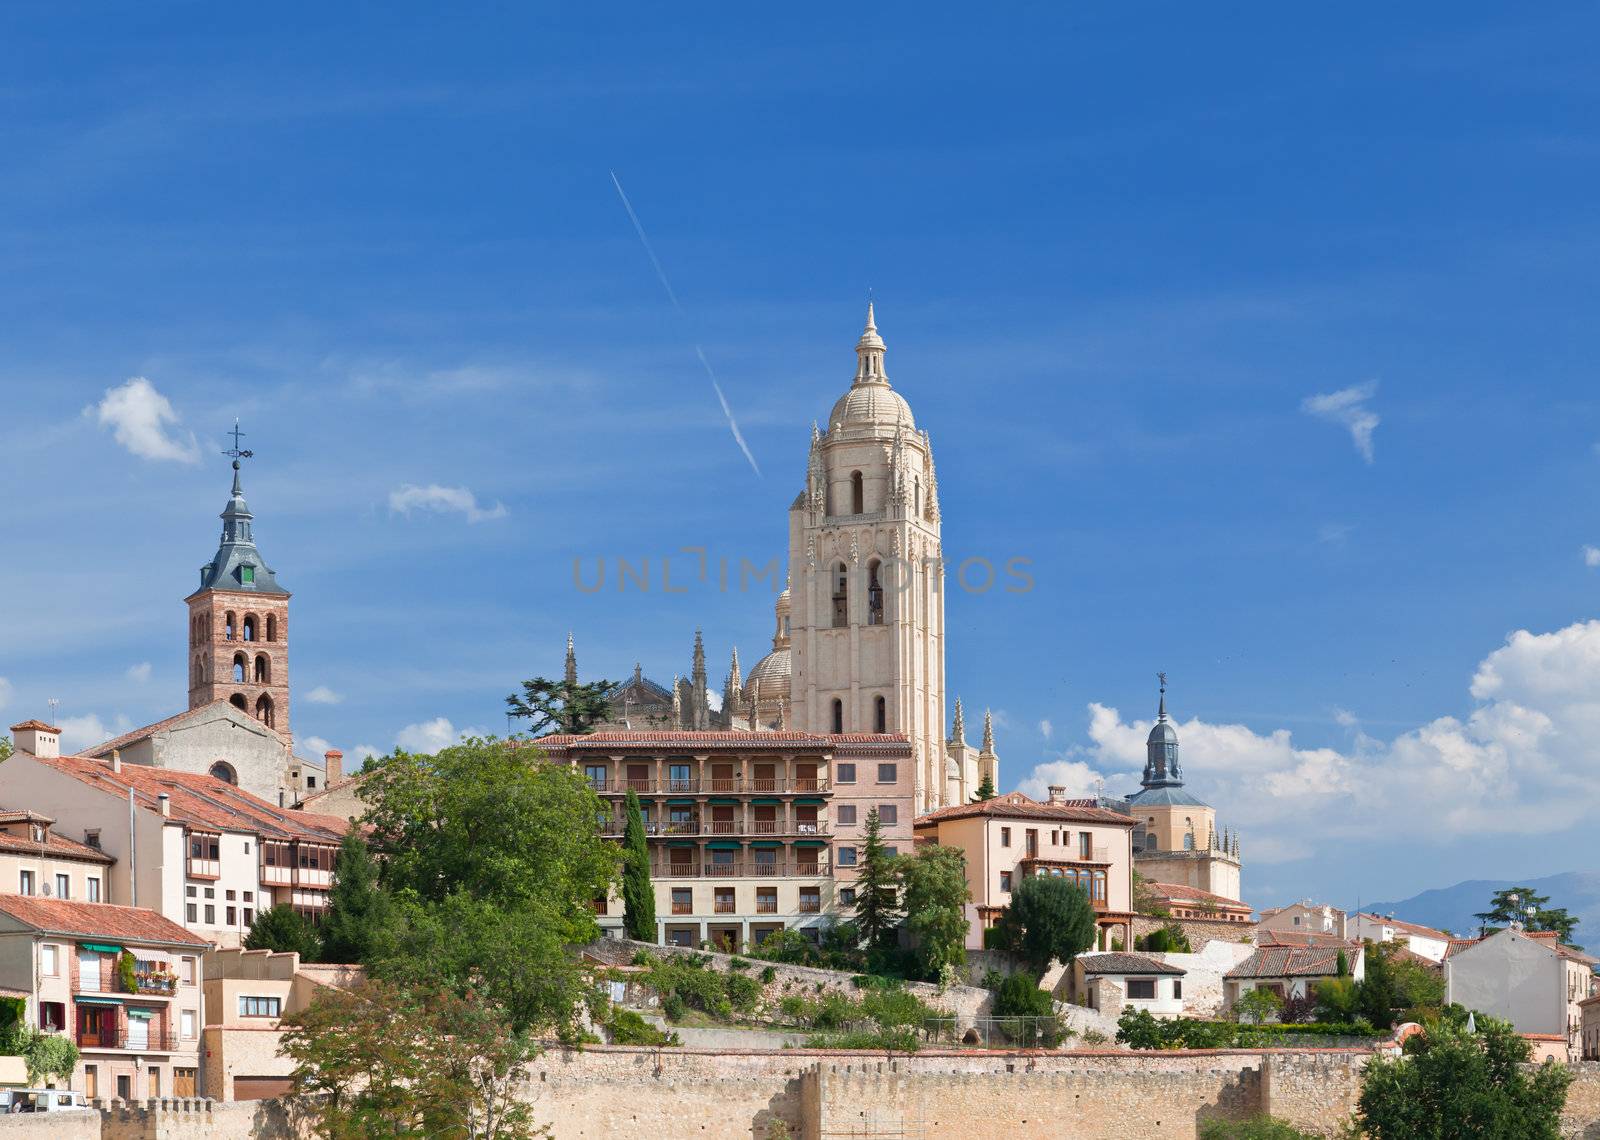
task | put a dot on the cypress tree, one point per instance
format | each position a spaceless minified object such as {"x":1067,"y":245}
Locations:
{"x":877,"y":898}
{"x":985,"y":789}
{"x":638,"y":895}
{"x":359,"y":914}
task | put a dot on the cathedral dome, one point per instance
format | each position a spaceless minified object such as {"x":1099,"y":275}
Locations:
{"x":1162,"y":733}
{"x":773,"y":672}
{"x":871,"y":405}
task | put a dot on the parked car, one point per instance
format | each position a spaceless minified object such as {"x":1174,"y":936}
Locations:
{"x":42,"y":1100}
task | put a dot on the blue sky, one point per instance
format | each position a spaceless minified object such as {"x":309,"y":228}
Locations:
{"x":1115,"y":253}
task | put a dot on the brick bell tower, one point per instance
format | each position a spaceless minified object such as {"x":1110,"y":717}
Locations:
{"x":239,"y":621}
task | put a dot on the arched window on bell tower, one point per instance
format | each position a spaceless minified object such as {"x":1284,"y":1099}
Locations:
{"x":838,"y":715}
{"x":264,"y":711}
{"x":880,"y":715}
{"x":841,"y":596}
{"x":874,"y":593}
{"x":263,"y":670}
{"x":858,"y":494}
{"x":239,"y":668}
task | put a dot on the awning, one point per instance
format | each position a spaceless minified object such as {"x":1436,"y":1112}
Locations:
{"x":809,"y":843}
{"x":766,"y":801}
{"x":96,"y":1001}
{"x":681,"y":803}
{"x":810,"y":800}
{"x":141,"y":1014}
{"x":681,"y":843}
{"x":724,"y":845}
{"x":724,"y":800}
{"x":766,"y":843}
{"x":100,"y":947}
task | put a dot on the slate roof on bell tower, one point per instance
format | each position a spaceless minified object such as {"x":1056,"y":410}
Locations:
{"x":238,"y":565}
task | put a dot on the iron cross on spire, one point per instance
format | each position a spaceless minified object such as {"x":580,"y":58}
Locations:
{"x":234,"y":452}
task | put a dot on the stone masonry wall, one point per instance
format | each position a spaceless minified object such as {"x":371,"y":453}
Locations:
{"x":1316,"y":1090}
{"x":1199,"y":931}
{"x":1582,"y":1116}
{"x":50,"y":1126}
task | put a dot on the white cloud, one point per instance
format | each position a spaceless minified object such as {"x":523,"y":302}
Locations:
{"x":1046,"y":729}
{"x":1518,"y":764}
{"x":1334,"y":534}
{"x":1077,"y":777}
{"x":432,"y":735}
{"x":80,"y":732}
{"x":441,"y":500}
{"x":1591,"y":556}
{"x":313,"y":746}
{"x":322,"y":695}
{"x":139,"y":672}
{"x":140,"y":416}
{"x":6,"y":690}
{"x":1347,"y":407}
{"x":364,"y":752}
{"x":1345,"y":717}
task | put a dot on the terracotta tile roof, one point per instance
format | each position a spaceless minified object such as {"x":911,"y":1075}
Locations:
{"x":1015,"y":805}
{"x":1408,"y":927}
{"x":719,"y":741}
{"x":1304,"y":939}
{"x":1543,"y":1036}
{"x":96,"y":920}
{"x":201,"y":801}
{"x":1398,"y":953}
{"x":1457,"y":945}
{"x":1117,"y":962}
{"x":54,"y":846}
{"x":1186,"y":892}
{"x":36,"y":724}
{"x":1291,"y":962}
{"x":132,"y":735}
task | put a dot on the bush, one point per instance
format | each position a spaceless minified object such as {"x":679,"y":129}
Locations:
{"x":673,"y":1008}
{"x":744,"y":993}
{"x":1168,"y":939}
{"x":628,"y":1028}
{"x":1300,"y":1008}
{"x":737,"y":963}
{"x":768,"y":975}
{"x":1257,"y":1006}
{"x":880,"y":1040}
{"x":1261,"y":1128}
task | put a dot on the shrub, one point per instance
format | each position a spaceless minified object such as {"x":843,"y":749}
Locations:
{"x":628,"y":1028}
{"x":744,"y":993}
{"x":1093,"y":1037}
{"x":737,"y":963}
{"x":880,"y":1040}
{"x":673,"y":1008}
{"x":1300,"y":1008}
{"x":1258,"y":1006}
{"x":1260,"y":1128}
{"x":768,"y":974}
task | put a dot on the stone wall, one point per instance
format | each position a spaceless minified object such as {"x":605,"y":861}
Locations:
{"x":1199,"y":931}
{"x":1315,"y":1089}
{"x":1582,"y":1116}
{"x":176,"y":1118}
{"x":50,"y":1126}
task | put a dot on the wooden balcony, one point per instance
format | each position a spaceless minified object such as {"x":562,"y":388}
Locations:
{"x":695,"y":786}
{"x":699,"y":825}
{"x":746,"y":869}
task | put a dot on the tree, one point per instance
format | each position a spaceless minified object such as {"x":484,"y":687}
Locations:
{"x":877,"y":896}
{"x":1341,"y":965}
{"x":47,"y":1056}
{"x":282,"y":930}
{"x":1338,"y":999}
{"x":1257,"y":1005}
{"x":1049,"y":918}
{"x":933,"y":890}
{"x":1523,"y":905}
{"x":1167,"y":939}
{"x":565,"y":706}
{"x":5,"y":749}
{"x":359,"y":923}
{"x":1145,"y":901}
{"x":1394,"y":983}
{"x":638,"y":894}
{"x":387,"y":1060}
{"x":493,"y":859}
{"x":985,"y":789}
{"x":1452,"y":1084}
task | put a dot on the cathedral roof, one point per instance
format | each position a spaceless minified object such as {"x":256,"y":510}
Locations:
{"x":773,"y":671}
{"x":238,"y":565}
{"x":1015,"y":805}
{"x":736,"y":741}
{"x":870,"y":402}
{"x":1166,"y":796}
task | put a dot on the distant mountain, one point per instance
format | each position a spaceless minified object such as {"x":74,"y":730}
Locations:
{"x":1452,"y":908}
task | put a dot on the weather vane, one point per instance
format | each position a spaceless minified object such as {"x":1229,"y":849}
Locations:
{"x":234,"y":452}
{"x":1162,"y":677}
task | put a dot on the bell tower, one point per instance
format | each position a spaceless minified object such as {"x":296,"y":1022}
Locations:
{"x":239,"y":620}
{"x":867,"y":612}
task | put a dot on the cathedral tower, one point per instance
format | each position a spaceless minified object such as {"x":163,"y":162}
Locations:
{"x":867,"y":612}
{"x":239,"y":622}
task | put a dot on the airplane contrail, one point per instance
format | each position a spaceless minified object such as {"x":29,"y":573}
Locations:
{"x":661,"y":275}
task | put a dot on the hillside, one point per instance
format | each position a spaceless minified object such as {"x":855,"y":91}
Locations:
{"x":1452,"y":908}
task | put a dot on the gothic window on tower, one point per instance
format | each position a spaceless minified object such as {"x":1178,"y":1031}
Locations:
{"x":916,"y":483}
{"x":264,"y":710}
{"x":841,"y":596}
{"x":874,"y":594}
{"x":858,"y":494}
{"x":880,"y":715}
{"x":263,"y":672}
{"x":249,"y":627}
{"x":239,"y":668}
{"x":238,"y":702}
{"x":227,"y":626}
{"x":838,"y":715}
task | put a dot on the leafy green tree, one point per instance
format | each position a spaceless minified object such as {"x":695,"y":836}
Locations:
{"x":5,"y":749}
{"x":1257,"y":1128}
{"x":360,"y":920}
{"x":564,"y":706}
{"x":1049,"y":918}
{"x":985,"y":789}
{"x":638,"y":893}
{"x":1514,"y":904}
{"x":386,"y":1060}
{"x":282,"y":930}
{"x":877,"y":894}
{"x":1454,"y":1084}
{"x":1145,"y":901}
{"x":934,"y":892}
{"x":1168,"y":939}
{"x":1257,"y":1006}
{"x":47,"y":1056}
{"x":1341,"y":965}
{"x":494,"y":862}
{"x":1338,"y":999}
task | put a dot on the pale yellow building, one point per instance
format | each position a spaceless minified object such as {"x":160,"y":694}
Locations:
{"x":34,"y":860}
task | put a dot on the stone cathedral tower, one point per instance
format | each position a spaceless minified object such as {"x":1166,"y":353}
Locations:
{"x":239,"y":623}
{"x":867,"y":611}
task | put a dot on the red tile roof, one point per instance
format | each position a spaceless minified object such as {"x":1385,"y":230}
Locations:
{"x":1408,"y":927}
{"x":96,"y":920}
{"x":1291,"y":962}
{"x":1186,"y":892}
{"x":1117,"y":962}
{"x":202,"y":801}
{"x":54,"y":846}
{"x":1015,"y":805}
{"x":1457,"y":945}
{"x":719,"y":741}
{"x":1267,"y":937}
{"x":37,"y":724}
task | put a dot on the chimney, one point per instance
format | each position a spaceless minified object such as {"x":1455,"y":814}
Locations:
{"x":166,"y":803}
{"x":333,"y":762}
{"x":116,"y":760}
{"x":38,"y":738}
{"x":1058,"y":793}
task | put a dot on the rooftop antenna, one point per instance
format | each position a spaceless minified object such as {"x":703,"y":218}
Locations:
{"x":54,"y":703}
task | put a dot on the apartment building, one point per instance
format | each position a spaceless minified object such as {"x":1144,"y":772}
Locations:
{"x":137,"y":1026}
{"x":1010,"y":837}
{"x":749,"y":832}
{"x":199,"y":850}
{"x":34,"y":860}
{"x":1306,"y":917}
{"x":1291,"y":971}
{"x":1423,"y":941}
{"x":1527,"y":978}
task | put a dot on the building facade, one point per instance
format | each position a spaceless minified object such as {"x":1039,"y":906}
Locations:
{"x":137,"y":1026}
{"x":1010,"y":837}
{"x":1528,"y":979}
{"x":1306,"y":917}
{"x":1424,"y":941}
{"x":1290,"y":971}
{"x":1111,"y":981}
{"x":34,"y":860}
{"x":749,"y":832}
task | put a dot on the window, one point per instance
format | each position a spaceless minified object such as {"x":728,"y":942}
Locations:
{"x":50,"y":960}
{"x":247,"y":575}
{"x":1141,"y":989}
{"x":596,"y":775}
{"x":678,"y":777}
{"x":838,"y":715}
{"x":233,"y":916}
{"x":125,"y":1086}
{"x":186,"y":1024}
{"x":24,"y":882}
{"x":766,"y":900}
{"x":888,"y":814}
{"x":810,"y":900}
{"x":1085,"y":845}
{"x":191,"y":913}
{"x":53,"y":1016}
{"x":888,"y":773}
{"x":1005,"y":837}
{"x":858,"y":494}
{"x":1177,"y":988}
{"x":846,"y":813}
{"x":211,"y":915}
{"x":229,"y":895}
{"x":844,"y":773}
{"x":724,"y":900}
{"x":272,"y":627}
{"x":263,"y":670}
{"x":1005,"y":880}
{"x":249,"y":896}
{"x":63,"y":886}
{"x":880,"y":715}
{"x":874,"y":594}
{"x":249,"y":916}
{"x":221,"y":770}
{"x":841,"y":596}
{"x":682,"y":900}
{"x":891,"y":850}
{"x":205,"y":847}
{"x":92,"y":838}
{"x":211,"y":892}
{"x":847,"y":896}
{"x":186,"y":970}
{"x":250,"y":627}
{"x":92,"y":888}
{"x":847,"y":856}
{"x":259,"y":1006}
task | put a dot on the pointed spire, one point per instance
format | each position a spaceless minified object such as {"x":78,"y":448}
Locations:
{"x":638,"y":673}
{"x":572,"y":661}
{"x":958,"y":731}
{"x":988,"y":732}
{"x":1161,"y":713}
{"x":237,"y":564}
{"x":733,"y":670}
{"x":869,"y":354}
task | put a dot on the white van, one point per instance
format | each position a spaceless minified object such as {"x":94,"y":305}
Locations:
{"x":42,"y":1100}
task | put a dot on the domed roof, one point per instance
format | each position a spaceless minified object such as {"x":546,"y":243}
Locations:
{"x":1162,"y":733}
{"x":871,"y":405}
{"x":773,"y":672}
